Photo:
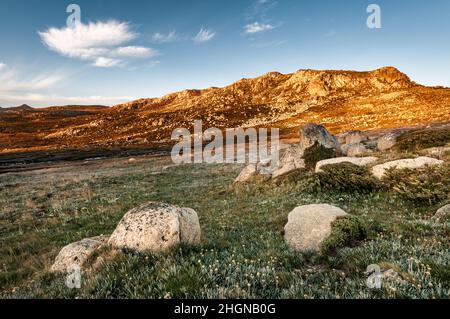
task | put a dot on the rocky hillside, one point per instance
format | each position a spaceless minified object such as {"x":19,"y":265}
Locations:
{"x":340,"y":100}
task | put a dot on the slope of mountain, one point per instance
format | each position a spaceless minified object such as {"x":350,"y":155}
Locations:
{"x":340,"y":100}
{"x":24,"y":127}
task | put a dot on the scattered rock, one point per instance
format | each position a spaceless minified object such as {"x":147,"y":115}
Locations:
{"x":352,"y":137}
{"x":355,"y":150}
{"x":315,"y":144}
{"x":290,"y":160}
{"x":167,"y":167}
{"x":246,"y":174}
{"x":313,"y":133}
{"x":442,"y":212}
{"x":262,"y":169}
{"x":388,"y":141}
{"x":413,"y":163}
{"x":156,"y":227}
{"x":436,"y":151}
{"x":308,"y":226}
{"x":76,"y":254}
{"x":360,"y":161}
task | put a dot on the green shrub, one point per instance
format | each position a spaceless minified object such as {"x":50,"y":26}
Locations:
{"x":347,"y":177}
{"x":345,"y":231}
{"x":421,"y":139}
{"x":290,"y":177}
{"x":428,"y":184}
{"x":317,"y":153}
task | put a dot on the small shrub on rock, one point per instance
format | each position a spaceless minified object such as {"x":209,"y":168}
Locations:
{"x":347,"y":177}
{"x":345,"y":231}
{"x":428,"y":184}
{"x":317,"y":153}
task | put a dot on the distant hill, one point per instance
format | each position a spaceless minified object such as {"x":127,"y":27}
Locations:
{"x":23,"y":107}
{"x":340,"y":100}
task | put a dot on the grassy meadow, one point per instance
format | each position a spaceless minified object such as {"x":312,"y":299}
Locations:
{"x":242,"y":254}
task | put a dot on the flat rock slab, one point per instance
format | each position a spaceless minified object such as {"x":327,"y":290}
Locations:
{"x":413,"y":163}
{"x":360,"y":161}
{"x":156,"y":227}
{"x":76,"y":254}
{"x":308,"y":226}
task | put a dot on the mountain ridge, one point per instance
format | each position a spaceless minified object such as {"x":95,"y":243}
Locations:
{"x":339,"y":99}
{"x":318,"y":82}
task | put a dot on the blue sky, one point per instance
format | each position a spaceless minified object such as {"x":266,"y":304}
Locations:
{"x":124,"y":50}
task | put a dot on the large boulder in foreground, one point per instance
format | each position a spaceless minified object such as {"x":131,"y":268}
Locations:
{"x":156,"y":227}
{"x":360,"y":161}
{"x":309,"y":226}
{"x":76,"y":254}
{"x":412,"y":163}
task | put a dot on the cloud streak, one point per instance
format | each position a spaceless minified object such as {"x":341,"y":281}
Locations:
{"x":165,"y":38}
{"x":260,"y":9}
{"x":19,"y":87}
{"x":257,"y":27}
{"x":11,"y":83}
{"x":204,"y":35}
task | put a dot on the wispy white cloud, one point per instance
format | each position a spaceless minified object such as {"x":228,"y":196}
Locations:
{"x":204,"y":35}
{"x":103,"y":62}
{"x":134,"y":52}
{"x":260,"y":8}
{"x":87,"y":40}
{"x":257,"y":27}
{"x":99,"y":42}
{"x":165,"y":38}
{"x":19,"y":87}
{"x":11,"y":81}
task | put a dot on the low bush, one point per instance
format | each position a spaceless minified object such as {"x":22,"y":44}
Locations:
{"x":345,"y":231}
{"x":428,"y":184}
{"x":421,"y":139}
{"x":290,"y":177}
{"x":317,"y":153}
{"x":347,"y":177}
